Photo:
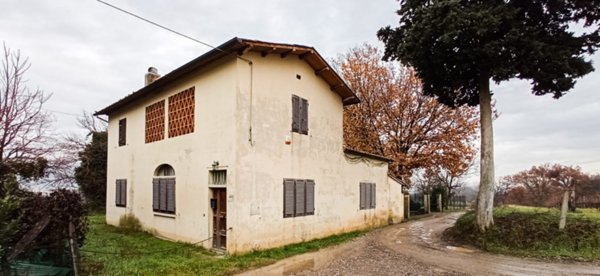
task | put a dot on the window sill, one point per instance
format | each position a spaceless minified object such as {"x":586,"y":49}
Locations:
{"x":121,"y":206}
{"x":163,"y":215}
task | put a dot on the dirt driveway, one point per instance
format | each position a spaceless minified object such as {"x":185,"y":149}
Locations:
{"x":415,"y":248}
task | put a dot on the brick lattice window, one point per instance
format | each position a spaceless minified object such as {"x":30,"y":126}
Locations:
{"x":181,"y":113}
{"x":155,"y":122}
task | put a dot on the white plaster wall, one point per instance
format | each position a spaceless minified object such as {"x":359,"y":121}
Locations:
{"x":256,"y":197}
{"x":190,"y":155}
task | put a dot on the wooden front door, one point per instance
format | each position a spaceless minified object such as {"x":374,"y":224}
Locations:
{"x":219,"y":207}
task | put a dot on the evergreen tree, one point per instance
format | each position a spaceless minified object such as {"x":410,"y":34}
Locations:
{"x":91,"y":173}
{"x":458,"y":46}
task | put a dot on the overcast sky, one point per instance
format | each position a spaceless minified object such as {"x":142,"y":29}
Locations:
{"x":89,"y":55}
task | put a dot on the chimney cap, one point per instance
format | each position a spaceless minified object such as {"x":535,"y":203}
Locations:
{"x":152,"y":70}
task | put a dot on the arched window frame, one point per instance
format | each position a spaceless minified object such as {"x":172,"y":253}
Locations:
{"x":163,"y":189}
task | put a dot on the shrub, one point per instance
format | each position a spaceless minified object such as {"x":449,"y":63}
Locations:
{"x":130,"y":223}
{"x":532,"y":232}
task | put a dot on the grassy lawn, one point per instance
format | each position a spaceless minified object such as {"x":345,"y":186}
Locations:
{"x":532,"y":231}
{"x":139,"y":253}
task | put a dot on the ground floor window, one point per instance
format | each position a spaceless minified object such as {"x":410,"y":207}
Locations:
{"x":121,"y":192}
{"x":298,"y":197}
{"x":163,"y":190}
{"x":367,"y":195}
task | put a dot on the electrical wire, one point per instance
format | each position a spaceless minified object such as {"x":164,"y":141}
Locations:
{"x":171,"y":30}
{"x":250,"y":139}
{"x":161,"y":26}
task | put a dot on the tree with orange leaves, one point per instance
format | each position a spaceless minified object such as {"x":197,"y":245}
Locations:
{"x":396,"y":120}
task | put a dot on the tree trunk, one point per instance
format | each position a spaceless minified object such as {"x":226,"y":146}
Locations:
{"x":485,"y":197}
{"x":563,"y":210}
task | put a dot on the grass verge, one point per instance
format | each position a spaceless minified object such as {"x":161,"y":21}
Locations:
{"x":139,"y":253}
{"x":533,"y":232}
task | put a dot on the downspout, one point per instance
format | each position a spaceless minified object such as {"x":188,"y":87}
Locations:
{"x":250,"y":140}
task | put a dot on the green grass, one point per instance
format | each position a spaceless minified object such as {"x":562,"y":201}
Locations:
{"x":130,"y":254}
{"x":533,"y":231}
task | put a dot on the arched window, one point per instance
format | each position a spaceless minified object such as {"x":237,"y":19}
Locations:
{"x":164,"y":170}
{"x":163,"y":189}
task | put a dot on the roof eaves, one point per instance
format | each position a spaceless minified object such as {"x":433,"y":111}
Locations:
{"x":232,"y":47}
{"x":367,"y":155}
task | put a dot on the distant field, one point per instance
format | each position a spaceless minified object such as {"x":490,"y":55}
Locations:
{"x":589,"y":213}
{"x":109,"y":251}
{"x":533,"y":231}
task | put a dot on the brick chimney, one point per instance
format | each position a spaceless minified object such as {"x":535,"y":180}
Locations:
{"x":151,"y":76}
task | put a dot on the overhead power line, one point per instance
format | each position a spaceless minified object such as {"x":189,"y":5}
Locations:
{"x":161,"y":26}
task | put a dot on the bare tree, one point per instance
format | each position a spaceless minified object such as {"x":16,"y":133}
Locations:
{"x":67,"y":149}
{"x":23,"y":123}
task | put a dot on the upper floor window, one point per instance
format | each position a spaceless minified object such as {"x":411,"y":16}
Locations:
{"x":122,"y":132}
{"x":181,"y":113}
{"x":299,"y":115}
{"x":155,"y":122}
{"x":163,"y":189}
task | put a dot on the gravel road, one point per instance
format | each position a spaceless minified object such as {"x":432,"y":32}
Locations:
{"x":415,"y":248}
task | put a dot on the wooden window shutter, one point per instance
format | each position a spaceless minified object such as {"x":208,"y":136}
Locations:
{"x":304,"y":117}
{"x":170,"y":195}
{"x":300,"y":197}
{"x":155,"y":194}
{"x":373,"y":195}
{"x":288,"y":198}
{"x":122,"y":132}
{"x":295,"y":113}
{"x":123,"y":192}
{"x":117,"y":192}
{"x":310,"y":197}
{"x":162,"y":203}
{"x":363,"y":193}
{"x":367,"y":196}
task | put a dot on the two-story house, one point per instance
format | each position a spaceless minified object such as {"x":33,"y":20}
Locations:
{"x":243,"y":146}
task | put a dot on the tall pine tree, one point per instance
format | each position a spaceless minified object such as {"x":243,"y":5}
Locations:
{"x":458,"y":46}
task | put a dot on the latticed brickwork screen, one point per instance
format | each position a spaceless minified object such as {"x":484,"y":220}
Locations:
{"x":155,"y":122}
{"x":181,"y":113}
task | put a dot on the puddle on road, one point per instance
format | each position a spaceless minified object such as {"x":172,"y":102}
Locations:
{"x":460,"y":249}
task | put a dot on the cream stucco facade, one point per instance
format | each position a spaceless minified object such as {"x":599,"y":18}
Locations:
{"x":242,"y":121}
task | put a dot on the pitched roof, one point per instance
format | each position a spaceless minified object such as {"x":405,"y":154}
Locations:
{"x":239,"y":46}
